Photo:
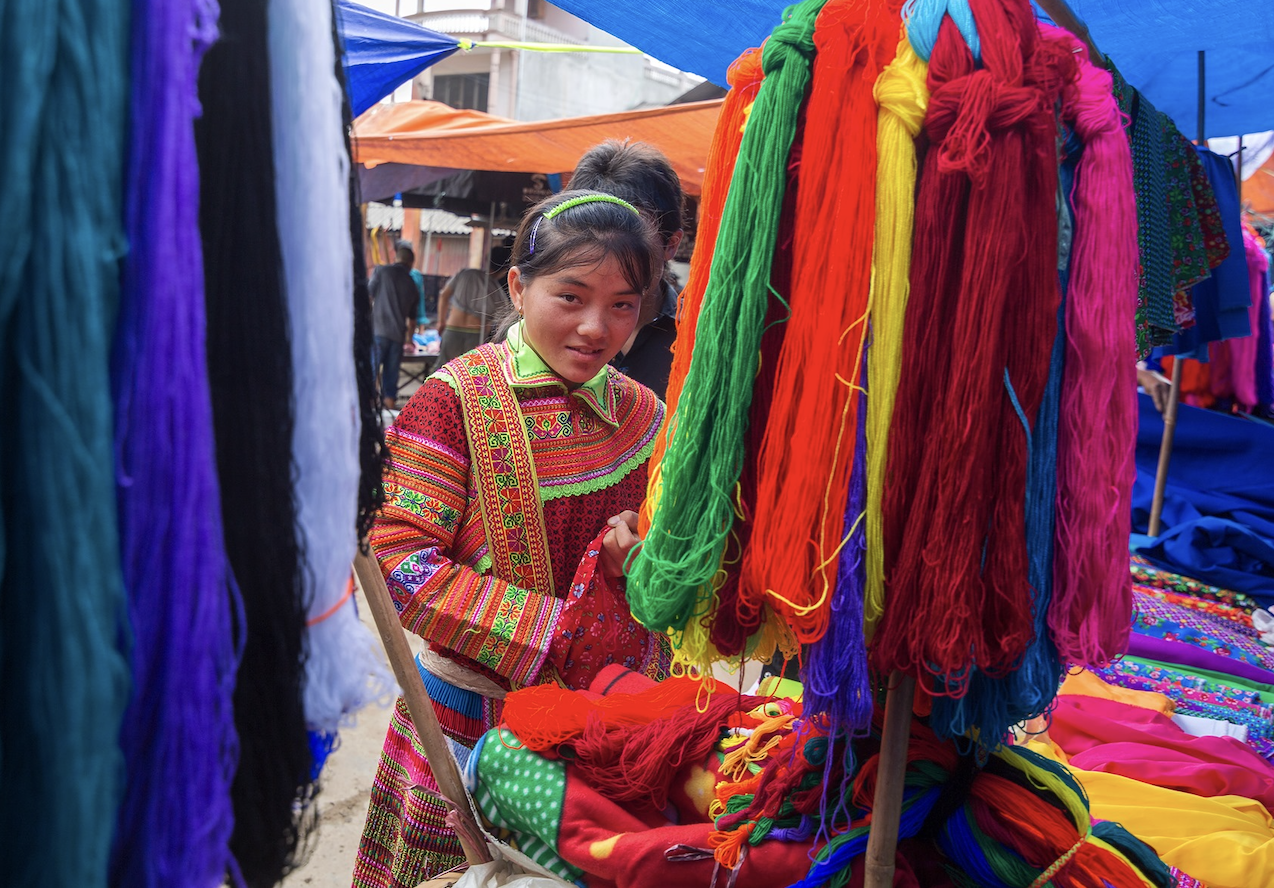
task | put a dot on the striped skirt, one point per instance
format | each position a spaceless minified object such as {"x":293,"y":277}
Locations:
{"x":406,"y":839}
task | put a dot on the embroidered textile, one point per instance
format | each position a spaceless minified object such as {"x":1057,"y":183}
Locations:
{"x":448,"y":585}
{"x":1171,"y":622}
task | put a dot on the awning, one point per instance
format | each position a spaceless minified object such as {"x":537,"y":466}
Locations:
{"x":381,"y":51}
{"x":434,"y":135}
{"x":1258,"y":191}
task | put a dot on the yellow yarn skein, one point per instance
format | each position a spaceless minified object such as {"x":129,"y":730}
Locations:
{"x":902,"y":95}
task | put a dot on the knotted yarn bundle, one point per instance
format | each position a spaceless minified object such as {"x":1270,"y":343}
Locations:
{"x":1092,"y":599}
{"x":902,"y":95}
{"x":806,"y":454}
{"x":671,"y":578}
{"x":980,"y":322}
{"x":63,"y":613}
{"x":343,"y":668}
{"x":175,"y":820}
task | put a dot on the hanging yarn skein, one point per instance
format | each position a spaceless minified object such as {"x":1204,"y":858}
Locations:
{"x":806,"y":455}
{"x":744,"y":76}
{"x":250,"y":367}
{"x":344,"y":669}
{"x":175,"y":819}
{"x":63,"y":681}
{"x":371,"y":436}
{"x":1092,"y":599}
{"x":672,"y":574}
{"x":902,"y":94}
{"x":966,"y":409}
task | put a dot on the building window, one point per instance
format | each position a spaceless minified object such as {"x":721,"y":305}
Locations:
{"x":462,"y":90}
{"x":535,"y":9}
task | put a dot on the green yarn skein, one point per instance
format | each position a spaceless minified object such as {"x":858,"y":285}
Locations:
{"x":670,"y":579}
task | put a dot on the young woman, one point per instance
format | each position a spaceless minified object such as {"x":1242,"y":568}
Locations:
{"x":515,"y":475}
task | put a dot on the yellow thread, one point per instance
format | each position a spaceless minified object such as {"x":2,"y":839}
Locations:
{"x":902,"y":96}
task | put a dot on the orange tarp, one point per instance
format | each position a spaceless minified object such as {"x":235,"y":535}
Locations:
{"x":433,"y":134}
{"x":1258,"y":190}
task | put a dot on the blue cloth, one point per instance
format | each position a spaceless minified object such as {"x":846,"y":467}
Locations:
{"x":1218,"y":514}
{"x":704,"y":37}
{"x":1265,"y":345}
{"x":383,"y":51}
{"x":1221,"y":302}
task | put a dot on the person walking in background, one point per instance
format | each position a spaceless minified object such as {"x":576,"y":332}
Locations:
{"x":469,"y":307}
{"x":394,"y":301}
{"x":643,"y":176}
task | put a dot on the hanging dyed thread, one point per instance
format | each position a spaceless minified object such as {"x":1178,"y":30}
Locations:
{"x":923,"y":20}
{"x":344,"y":669}
{"x":175,"y":819}
{"x":902,"y":95}
{"x":983,"y":318}
{"x":745,"y":77}
{"x":64,"y":683}
{"x":371,"y":435}
{"x":250,"y":367}
{"x":1092,"y":609}
{"x":806,"y":455}
{"x":672,"y":575}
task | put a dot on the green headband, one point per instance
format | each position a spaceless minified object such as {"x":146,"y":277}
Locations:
{"x":590,"y":198}
{"x":575,"y":202}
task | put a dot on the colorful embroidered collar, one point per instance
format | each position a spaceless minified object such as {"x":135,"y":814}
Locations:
{"x":527,"y":369}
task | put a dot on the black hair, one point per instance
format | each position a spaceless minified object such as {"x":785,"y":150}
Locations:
{"x":638,"y":173}
{"x":586,"y":234}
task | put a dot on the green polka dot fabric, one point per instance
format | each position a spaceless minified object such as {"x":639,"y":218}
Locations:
{"x":522,"y":792}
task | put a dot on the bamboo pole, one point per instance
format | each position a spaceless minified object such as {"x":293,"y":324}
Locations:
{"x":886,"y":812}
{"x":437,"y":752}
{"x":1174,"y":391}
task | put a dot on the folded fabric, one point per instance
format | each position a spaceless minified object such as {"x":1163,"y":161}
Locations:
{"x":1217,"y":550}
{"x":1086,"y":684}
{"x":1221,"y":467}
{"x":1224,"y":841}
{"x":1102,"y":735}
{"x":1196,"y":658}
{"x":1160,"y":618}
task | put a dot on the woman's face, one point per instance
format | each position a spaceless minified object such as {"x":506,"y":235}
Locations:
{"x":577,"y":319}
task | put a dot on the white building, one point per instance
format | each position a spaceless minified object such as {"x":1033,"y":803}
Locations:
{"x":526,"y":85}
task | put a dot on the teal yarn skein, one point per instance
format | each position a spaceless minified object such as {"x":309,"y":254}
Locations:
{"x":669,"y":580}
{"x":64,"y":682}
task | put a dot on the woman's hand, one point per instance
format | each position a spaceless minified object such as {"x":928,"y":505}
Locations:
{"x":621,"y":540}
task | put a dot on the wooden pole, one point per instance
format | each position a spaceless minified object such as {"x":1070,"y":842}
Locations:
{"x":423,"y":717}
{"x":1174,"y":391}
{"x":886,"y":812}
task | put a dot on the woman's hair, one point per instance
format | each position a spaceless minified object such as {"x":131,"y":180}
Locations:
{"x":586,"y":233}
{"x":638,"y":173}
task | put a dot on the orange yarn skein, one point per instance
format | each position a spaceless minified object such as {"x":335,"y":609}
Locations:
{"x":807,"y":452}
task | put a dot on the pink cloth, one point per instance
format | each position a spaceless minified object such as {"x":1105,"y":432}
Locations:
{"x":1243,"y":351}
{"x":1102,"y":735}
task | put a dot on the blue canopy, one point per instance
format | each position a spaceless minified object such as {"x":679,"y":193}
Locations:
{"x":1153,"y":44}
{"x":383,"y":51}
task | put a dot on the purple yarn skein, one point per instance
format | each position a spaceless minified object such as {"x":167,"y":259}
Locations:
{"x":178,"y":735}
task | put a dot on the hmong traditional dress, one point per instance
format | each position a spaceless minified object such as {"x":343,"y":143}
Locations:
{"x":491,"y":554}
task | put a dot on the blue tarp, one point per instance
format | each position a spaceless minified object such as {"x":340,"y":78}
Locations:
{"x":1218,"y":515}
{"x":383,"y":51}
{"x":1153,"y":44}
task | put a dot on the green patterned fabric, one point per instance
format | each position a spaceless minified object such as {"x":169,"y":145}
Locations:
{"x":508,"y":775}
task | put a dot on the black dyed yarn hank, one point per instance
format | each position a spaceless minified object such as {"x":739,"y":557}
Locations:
{"x":250,"y":370}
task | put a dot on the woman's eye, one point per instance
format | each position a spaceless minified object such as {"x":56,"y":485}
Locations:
{"x":569,"y":297}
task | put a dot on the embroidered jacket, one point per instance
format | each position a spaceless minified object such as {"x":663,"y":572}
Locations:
{"x":589,"y":446}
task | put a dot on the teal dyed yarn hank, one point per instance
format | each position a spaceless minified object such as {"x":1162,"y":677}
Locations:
{"x":63,"y":680}
{"x":670,"y":578}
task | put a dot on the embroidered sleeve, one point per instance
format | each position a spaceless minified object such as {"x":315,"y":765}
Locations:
{"x":417,"y":539}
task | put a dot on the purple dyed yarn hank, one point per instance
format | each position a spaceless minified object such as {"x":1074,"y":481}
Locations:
{"x":836,"y":680}
{"x":178,"y":735}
